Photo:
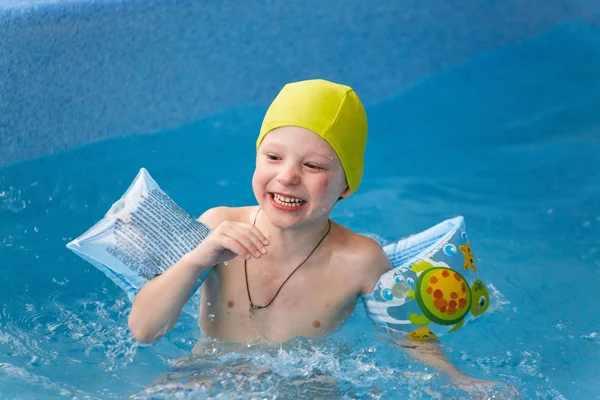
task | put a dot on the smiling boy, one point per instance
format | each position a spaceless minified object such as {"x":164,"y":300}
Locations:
{"x":283,"y":269}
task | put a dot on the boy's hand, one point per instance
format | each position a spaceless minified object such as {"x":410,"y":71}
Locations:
{"x":228,"y":240}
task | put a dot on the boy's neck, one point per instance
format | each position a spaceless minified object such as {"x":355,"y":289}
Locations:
{"x":287,"y":242}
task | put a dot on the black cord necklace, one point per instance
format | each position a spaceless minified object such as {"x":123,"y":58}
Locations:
{"x":257,"y":307}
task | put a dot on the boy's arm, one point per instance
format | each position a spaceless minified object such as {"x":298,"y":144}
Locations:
{"x":158,"y":305}
{"x":431,"y":354}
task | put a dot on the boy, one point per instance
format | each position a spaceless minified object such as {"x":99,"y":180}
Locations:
{"x":278,"y":265}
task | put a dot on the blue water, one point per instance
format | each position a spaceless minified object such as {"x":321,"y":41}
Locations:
{"x":510,"y":140}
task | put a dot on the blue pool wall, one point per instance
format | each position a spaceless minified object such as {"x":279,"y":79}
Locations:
{"x":75,"y":72}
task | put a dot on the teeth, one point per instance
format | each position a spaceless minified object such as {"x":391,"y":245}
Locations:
{"x":287,"y":201}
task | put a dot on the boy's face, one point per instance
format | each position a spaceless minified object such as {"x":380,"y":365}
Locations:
{"x":298,"y":177}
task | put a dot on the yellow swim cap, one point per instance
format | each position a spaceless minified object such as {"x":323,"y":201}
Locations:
{"x":332,"y":111}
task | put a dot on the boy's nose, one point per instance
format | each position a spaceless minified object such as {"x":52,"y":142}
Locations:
{"x":289,"y":175}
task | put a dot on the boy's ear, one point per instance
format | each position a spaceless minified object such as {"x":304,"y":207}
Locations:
{"x":345,"y":193}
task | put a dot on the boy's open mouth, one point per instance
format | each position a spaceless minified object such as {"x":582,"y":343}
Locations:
{"x":286,"y":203}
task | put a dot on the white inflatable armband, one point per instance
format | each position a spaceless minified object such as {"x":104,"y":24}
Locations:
{"x":140,"y":237}
{"x":435,"y":286}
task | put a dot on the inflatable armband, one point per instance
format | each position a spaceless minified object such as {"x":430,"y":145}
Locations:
{"x":434,"y":287}
{"x":142,"y":235}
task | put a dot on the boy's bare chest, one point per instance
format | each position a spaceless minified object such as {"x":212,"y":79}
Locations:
{"x":314,"y":301}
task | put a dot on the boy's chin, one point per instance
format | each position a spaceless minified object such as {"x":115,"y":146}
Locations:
{"x":285,"y":220}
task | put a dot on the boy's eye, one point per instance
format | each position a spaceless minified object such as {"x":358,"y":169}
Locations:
{"x":314,"y":166}
{"x":272,"y":157}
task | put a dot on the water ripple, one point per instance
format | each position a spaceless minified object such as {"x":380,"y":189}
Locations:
{"x":27,"y":385}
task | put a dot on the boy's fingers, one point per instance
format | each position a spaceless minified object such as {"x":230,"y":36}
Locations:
{"x":247,"y":235}
{"x":249,"y":241}
{"x":258,"y":239}
{"x":256,"y":236}
{"x":234,"y":246}
{"x":260,"y":235}
{"x":255,"y":231}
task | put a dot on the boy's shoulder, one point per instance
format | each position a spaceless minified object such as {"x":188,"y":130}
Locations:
{"x":363,"y":256}
{"x":356,"y":243}
{"x":213,"y":217}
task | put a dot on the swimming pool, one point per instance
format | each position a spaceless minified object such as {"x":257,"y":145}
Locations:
{"x":509,"y":139}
